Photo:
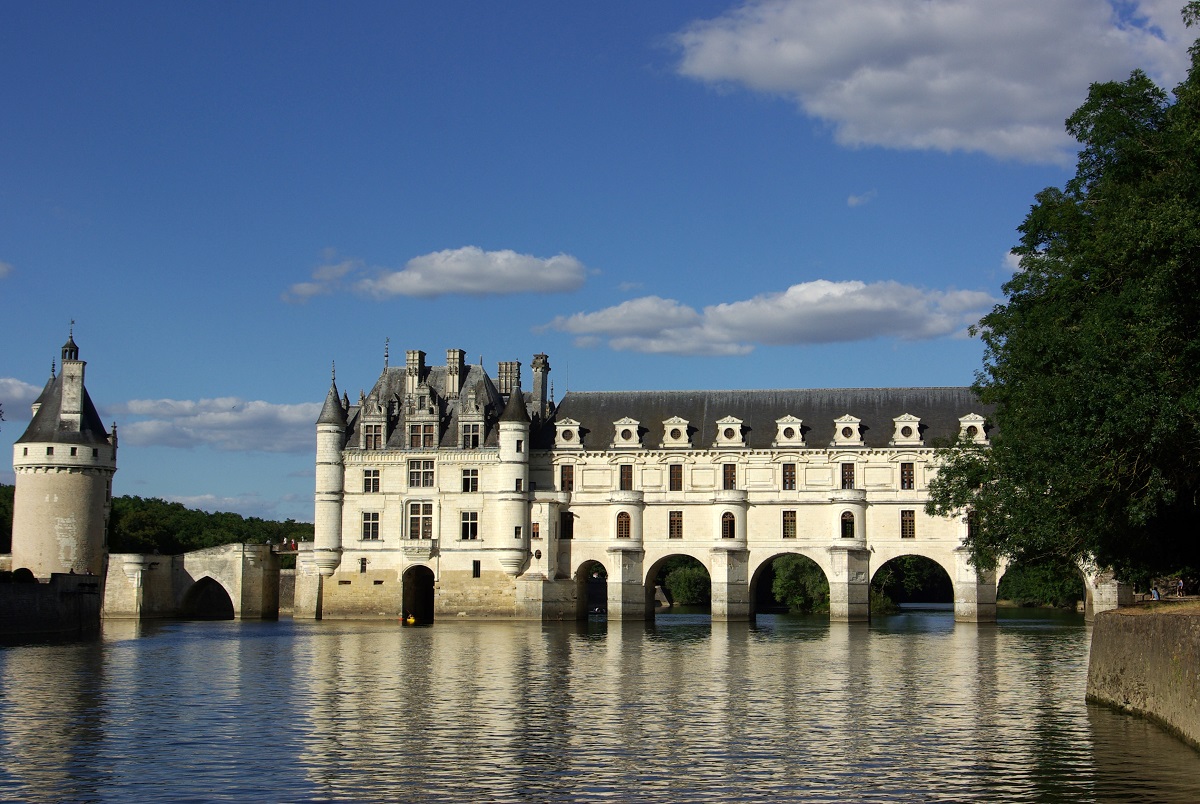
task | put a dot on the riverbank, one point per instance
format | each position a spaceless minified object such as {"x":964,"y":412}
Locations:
{"x":1146,"y":659}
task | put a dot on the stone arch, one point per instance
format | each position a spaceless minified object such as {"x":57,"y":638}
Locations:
{"x":758,"y":569}
{"x":417,"y":594}
{"x":881,"y":560}
{"x":591,"y":588}
{"x":208,"y":598}
{"x":653,"y":568}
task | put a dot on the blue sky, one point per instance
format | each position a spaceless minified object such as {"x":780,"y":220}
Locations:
{"x":227,"y":197}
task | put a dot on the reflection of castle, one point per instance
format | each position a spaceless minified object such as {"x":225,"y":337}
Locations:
{"x":446,"y":492}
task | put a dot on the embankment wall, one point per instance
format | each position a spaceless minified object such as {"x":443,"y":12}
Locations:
{"x":1148,"y":662}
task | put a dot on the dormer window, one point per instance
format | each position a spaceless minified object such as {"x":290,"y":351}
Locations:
{"x":970,"y":428}
{"x":729,"y":433}
{"x":789,"y":432}
{"x":627,"y":433}
{"x":675,"y":433}
{"x":908,"y":431}
{"x":567,"y":435}
{"x":847,"y":432}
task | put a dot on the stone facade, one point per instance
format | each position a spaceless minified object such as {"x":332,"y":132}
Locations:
{"x":443,"y":492}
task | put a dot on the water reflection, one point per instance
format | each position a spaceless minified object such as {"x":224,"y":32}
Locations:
{"x":911,"y":707}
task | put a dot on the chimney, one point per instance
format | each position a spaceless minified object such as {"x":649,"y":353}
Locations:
{"x":414,"y":368}
{"x":508,"y":376}
{"x":541,"y":368}
{"x":454,"y":367}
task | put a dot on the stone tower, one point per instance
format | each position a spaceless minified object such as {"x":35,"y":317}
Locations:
{"x":64,"y":465}
{"x":512,"y":498}
{"x":327,"y":517}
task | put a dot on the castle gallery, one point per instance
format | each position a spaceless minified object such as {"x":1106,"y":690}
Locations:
{"x":444,"y":492}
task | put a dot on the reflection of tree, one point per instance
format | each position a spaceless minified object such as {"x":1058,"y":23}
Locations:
{"x":800,"y":584}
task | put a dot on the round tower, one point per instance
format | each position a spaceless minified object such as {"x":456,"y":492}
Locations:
{"x":512,"y":499}
{"x":331,"y":479}
{"x":64,"y":465}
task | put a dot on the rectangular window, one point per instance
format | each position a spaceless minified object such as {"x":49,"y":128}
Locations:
{"x":729,"y":474}
{"x":847,"y":475}
{"x":470,"y":436}
{"x":74,"y":451}
{"x":470,"y":480}
{"x":517,"y":532}
{"x":362,"y":565}
{"x":907,"y":476}
{"x":420,"y":474}
{"x":476,"y":569}
{"x":566,"y":477}
{"x":675,"y":524}
{"x":370,"y":481}
{"x":95,"y":453}
{"x":789,"y":524}
{"x":49,"y":450}
{"x":520,"y":445}
{"x":908,"y":524}
{"x":520,"y":484}
{"x":370,"y":525}
{"x":422,"y":436}
{"x":676,"y":476}
{"x":470,"y":525}
{"x":373,"y":436}
{"x":789,"y":477}
{"x":420,"y":520}
{"x":566,"y":525}
{"x":626,"y":477}
{"x":535,"y":530}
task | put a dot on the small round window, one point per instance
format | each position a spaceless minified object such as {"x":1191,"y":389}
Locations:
{"x":847,"y":432}
{"x":626,"y":435}
{"x":675,"y":434}
{"x":728,"y":433}
{"x":568,"y":435}
{"x":788,"y":432}
{"x":972,"y":431}
{"x":906,"y":431}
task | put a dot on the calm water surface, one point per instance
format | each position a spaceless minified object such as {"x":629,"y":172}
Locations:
{"x":909,"y":708}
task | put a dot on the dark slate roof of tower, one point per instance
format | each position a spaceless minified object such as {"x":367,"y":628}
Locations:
{"x":332,"y":412}
{"x":46,"y":425}
{"x":515,"y":410}
{"x":939,"y":410}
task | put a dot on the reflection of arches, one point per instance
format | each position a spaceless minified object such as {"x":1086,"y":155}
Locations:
{"x":207,"y":599}
{"x":847,"y":525}
{"x":623,"y":525}
{"x":417,"y":594}
{"x":762,"y":599}
{"x":591,"y":589}
{"x":728,"y":526}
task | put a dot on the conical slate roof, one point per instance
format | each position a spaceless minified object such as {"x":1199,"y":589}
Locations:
{"x":515,"y":410}
{"x":46,"y":426}
{"x":332,"y":412}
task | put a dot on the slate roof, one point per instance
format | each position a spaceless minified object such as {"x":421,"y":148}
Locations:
{"x":332,"y":412}
{"x":939,"y":410}
{"x":46,"y":426}
{"x":515,"y":410}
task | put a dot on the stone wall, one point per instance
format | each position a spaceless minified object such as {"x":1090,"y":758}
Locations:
{"x":68,"y":605}
{"x":1148,"y":662}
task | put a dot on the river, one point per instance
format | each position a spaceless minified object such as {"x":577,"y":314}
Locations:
{"x":909,"y":708}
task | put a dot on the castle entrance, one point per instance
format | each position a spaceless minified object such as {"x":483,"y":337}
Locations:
{"x":417,"y":585}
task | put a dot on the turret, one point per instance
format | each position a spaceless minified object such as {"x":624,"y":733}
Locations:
{"x":541,"y":372}
{"x":512,"y":501}
{"x":64,"y":465}
{"x":327,"y":514}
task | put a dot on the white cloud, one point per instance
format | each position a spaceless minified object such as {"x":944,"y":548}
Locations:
{"x":16,"y":397}
{"x":227,"y":423}
{"x":5,"y":269}
{"x":1012,"y":262}
{"x":468,"y":270}
{"x":805,"y":314}
{"x":859,"y":200}
{"x":997,"y":77}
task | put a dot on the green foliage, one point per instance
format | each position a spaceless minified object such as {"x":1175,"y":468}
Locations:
{"x":909,"y":579}
{"x":1047,"y":583}
{"x":139,"y":525}
{"x":686,"y":581}
{"x":6,"y":515}
{"x":1091,"y":361}
{"x":800,"y":584}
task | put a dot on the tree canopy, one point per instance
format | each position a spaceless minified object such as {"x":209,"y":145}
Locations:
{"x":1091,"y":361}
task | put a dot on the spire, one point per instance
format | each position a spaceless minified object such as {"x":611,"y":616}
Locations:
{"x":387,"y":342}
{"x":332,"y":411}
{"x":515,"y":410}
{"x":70,"y":351}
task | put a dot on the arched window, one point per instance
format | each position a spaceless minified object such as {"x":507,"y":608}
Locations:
{"x":728,"y":529}
{"x":847,"y":525}
{"x":623,"y":525}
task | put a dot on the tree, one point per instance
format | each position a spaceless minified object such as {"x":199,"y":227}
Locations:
{"x":800,"y":584}
{"x":686,"y":581}
{"x":1090,"y":363}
